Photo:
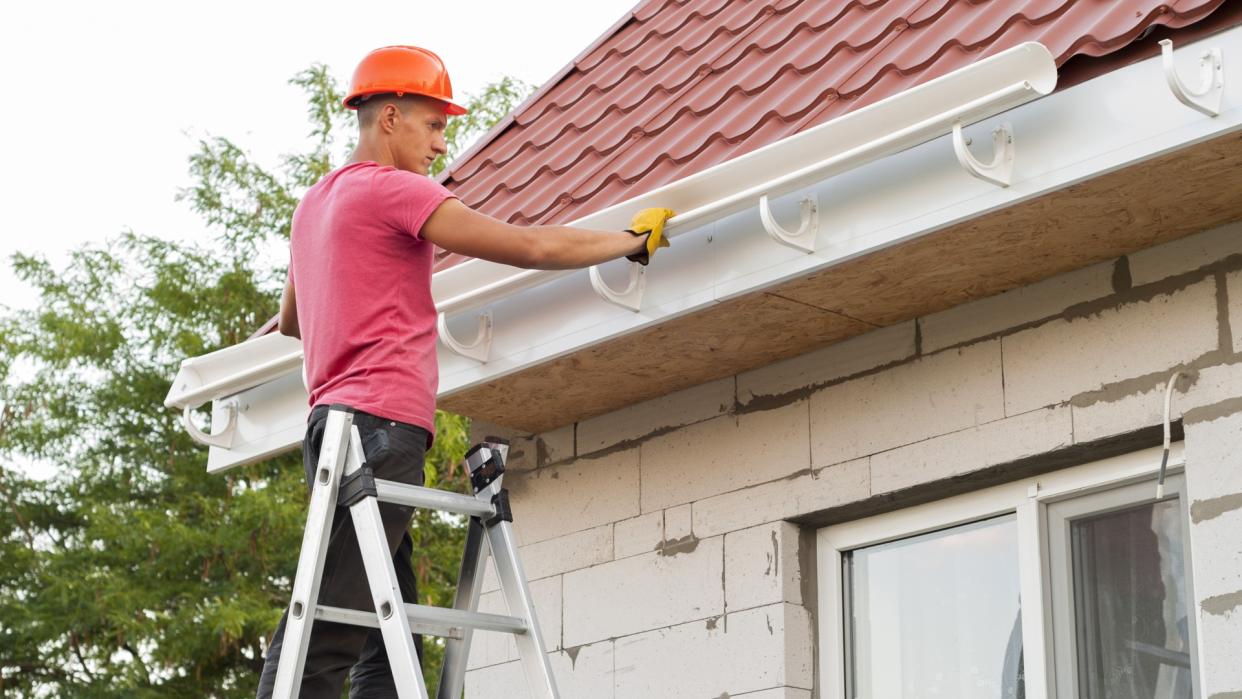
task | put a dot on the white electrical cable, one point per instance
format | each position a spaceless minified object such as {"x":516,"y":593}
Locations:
{"x":1164,"y":460}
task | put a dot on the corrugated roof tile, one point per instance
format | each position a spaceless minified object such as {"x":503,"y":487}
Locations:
{"x":682,"y":85}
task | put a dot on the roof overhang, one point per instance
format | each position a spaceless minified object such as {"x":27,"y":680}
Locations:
{"x":1098,"y":168}
{"x":1107,"y":167}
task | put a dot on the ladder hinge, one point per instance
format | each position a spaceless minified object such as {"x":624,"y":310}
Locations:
{"x":485,"y":465}
{"x":356,"y":486}
{"x":503,"y":512}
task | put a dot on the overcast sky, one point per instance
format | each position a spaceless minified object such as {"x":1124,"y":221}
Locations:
{"x":104,"y":101}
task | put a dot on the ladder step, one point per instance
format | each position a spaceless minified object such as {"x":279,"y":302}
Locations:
{"x":432,"y":621}
{"x":432,"y":499}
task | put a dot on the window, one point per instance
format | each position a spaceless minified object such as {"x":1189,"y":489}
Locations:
{"x":1071,"y":585}
{"x":937,"y":615}
{"x":1119,"y":588}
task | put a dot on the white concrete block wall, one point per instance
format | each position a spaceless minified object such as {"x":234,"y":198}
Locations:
{"x":1214,"y":482}
{"x":658,"y":535}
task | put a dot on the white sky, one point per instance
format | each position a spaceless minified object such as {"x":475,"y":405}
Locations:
{"x":104,"y":101}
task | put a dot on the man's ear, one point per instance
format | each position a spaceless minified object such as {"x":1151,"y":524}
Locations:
{"x":388,"y":117}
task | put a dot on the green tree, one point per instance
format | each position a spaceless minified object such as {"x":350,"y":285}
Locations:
{"x":130,"y":572}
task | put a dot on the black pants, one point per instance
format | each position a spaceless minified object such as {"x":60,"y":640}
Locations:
{"x":338,"y":649}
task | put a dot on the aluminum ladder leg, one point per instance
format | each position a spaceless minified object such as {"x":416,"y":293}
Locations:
{"x":341,"y":475}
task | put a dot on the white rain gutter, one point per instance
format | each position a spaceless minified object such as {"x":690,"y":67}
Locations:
{"x":876,"y":202}
{"x":907,"y":119}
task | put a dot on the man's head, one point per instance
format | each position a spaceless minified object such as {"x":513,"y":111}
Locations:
{"x":403,"y":97}
{"x":410,"y":129}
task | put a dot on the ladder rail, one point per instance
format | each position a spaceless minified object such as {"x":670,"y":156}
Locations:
{"x":386,"y":592}
{"x":469,"y":589}
{"x":531,"y":651}
{"x":300,"y":614}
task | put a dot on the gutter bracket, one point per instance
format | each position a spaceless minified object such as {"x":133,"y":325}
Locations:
{"x":477,"y":349}
{"x":804,"y":238}
{"x":630,"y":298}
{"x":1000,"y":171}
{"x":1207,"y":97}
{"x":223,"y":438}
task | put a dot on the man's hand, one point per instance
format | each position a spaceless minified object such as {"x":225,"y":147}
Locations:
{"x":649,"y":222}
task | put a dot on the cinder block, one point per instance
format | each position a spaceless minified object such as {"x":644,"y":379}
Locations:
{"x":556,"y":556}
{"x":528,"y":452}
{"x":555,"y":445}
{"x":938,"y":394}
{"x":1217,"y":556}
{"x":1016,"y":307}
{"x":641,"y":534}
{"x":1185,"y":254}
{"x":493,"y":648}
{"x":677,"y":523}
{"x":522,"y":450}
{"x":1060,"y":359}
{"x":971,"y":449}
{"x":644,"y":592}
{"x":566,"y":553}
{"x":585,"y":671}
{"x":762,"y":567}
{"x":1213,"y":464}
{"x":674,"y":410}
{"x":584,"y":493}
{"x":723,"y":454}
{"x":858,"y":354}
{"x":789,"y":497}
{"x":1220,"y":646}
{"x":1212,"y":386}
{"x":1214,"y":490}
{"x":1233,"y":288}
{"x":749,"y":651}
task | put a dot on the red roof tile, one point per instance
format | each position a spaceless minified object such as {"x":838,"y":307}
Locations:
{"x":681,"y":85}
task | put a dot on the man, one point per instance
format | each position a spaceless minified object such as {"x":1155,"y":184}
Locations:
{"x":359,"y":296}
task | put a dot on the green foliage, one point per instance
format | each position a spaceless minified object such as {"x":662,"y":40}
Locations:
{"x":130,"y":572}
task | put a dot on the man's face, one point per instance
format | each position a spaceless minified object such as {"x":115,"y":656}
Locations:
{"x":419,"y":136}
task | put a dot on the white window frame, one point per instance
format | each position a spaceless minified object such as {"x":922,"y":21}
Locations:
{"x":1029,"y":498}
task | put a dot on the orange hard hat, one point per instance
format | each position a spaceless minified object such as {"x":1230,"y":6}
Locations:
{"x":404,"y":70}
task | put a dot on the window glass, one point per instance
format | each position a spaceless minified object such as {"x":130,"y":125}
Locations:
{"x":1131,"y":626}
{"x":936,"y":615}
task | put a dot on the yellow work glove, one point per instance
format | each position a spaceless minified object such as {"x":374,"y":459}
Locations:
{"x":649,"y":222}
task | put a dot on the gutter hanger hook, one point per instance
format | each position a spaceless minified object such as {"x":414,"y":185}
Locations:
{"x":1000,"y":171}
{"x":804,"y":238}
{"x":631,"y":297}
{"x":222,"y":439}
{"x":477,"y":349}
{"x":1207,"y":97}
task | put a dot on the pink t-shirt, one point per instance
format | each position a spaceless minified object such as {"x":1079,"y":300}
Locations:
{"x":362,"y":278}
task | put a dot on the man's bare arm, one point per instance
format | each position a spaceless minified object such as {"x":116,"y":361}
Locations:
{"x":288,"y":323}
{"x":458,"y":228}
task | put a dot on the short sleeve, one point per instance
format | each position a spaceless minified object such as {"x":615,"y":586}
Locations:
{"x":412,"y":199}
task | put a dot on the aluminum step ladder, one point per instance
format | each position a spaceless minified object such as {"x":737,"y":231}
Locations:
{"x":343,"y":477}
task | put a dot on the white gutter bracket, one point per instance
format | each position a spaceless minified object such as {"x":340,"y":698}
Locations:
{"x":1000,"y":171}
{"x":631,"y":297}
{"x":223,"y":438}
{"x":477,"y":349}
{"x":1207,"y":97}
{"x":804,"y":238}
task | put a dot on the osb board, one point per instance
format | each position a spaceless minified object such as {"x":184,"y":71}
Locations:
{"x":1134,"y":208}
{"x":719,"y":341}
{"x":1130,"y":209}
